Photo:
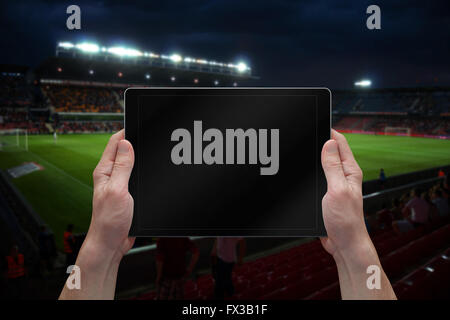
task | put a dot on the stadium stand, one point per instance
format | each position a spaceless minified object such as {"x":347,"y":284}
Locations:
{"x":424,"y":101}
{"x":307,"y":271}
{"x":14,"y":118}
{"x":78,"y":99}
{"x":61,"y":95}
{"x":89,"y":126}
{"x":377,"y":124}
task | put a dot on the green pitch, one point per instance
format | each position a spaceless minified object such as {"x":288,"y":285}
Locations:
{"x":62,"y":192}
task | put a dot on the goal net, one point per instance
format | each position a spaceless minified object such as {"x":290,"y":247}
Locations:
{"x":11,"y":139}
{"x":398,"y":130}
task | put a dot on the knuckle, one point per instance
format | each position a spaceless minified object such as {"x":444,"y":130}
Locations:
{"x":115,"y":192}
{"x":339,"y":191}
{"x":359,"y":173}
{"x":122,"y":164}
{"x":96,"y":173}
{"x":332,"y":163}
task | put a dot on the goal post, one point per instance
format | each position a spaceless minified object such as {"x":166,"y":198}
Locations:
{"x":13,"y":138}
{"x":398,"y":130}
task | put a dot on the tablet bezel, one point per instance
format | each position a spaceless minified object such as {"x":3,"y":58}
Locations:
{"x":131,"y":99}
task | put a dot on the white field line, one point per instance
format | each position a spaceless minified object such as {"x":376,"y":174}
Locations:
{"x":62,"y":171}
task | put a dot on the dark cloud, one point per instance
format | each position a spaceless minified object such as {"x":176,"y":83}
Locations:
{"x":286,"y":42}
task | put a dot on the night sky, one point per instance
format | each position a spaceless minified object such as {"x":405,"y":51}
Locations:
{"x":287,"y":43}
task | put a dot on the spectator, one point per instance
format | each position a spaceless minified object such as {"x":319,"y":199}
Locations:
{"x":441,"y":173}
{"x":417,"y":209}
{"x":441,"y":203}
{"x":396,"y":209}
{"x":432,"y":210}
{"x":69,"y":245}
{"x":16,"y":273}
{"x":47,"y":249}
{"x":382,"y":178}
{"x":171,"y":270}
{"x":384,"y":217}
{"x":224,"y":257}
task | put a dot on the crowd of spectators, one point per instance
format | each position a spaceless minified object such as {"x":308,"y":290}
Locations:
{"x":80,"y":99}
{"x":417,"y":125}
{"x":89,"y":126}
{"x":19,"y":119}
{"x":413,"y":209}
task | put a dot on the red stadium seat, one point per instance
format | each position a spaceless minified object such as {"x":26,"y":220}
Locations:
{"x":332,"y":292}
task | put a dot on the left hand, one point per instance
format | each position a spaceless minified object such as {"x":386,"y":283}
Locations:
{"x":112,"y":210}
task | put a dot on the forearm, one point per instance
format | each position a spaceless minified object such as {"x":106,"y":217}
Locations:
{"x":98,"y":274}
{"x":352,"y":264}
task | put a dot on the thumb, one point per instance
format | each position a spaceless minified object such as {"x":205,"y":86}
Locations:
{"x":332,"y":165}
{"x":123,"y":165}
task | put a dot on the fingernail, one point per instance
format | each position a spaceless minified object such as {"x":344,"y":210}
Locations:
{"x":123,"y":146}
{"x":332,"y":147}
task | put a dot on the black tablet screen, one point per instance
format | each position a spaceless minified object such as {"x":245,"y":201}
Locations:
{"x":227,"y":162}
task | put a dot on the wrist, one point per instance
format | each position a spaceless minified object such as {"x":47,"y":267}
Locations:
{"x":95,"y":255}
{"x":358,"y":254}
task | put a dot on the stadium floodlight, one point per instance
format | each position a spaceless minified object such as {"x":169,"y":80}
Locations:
{"x":173,"y":79}
{"x":216,"y":82}
{"x":88,"y":47}
{"x":363,"y":83}
{"x":91,"y":71}
{"x":67,"y":45}
{"x":91,"y":48}
{"x":147,"y":76}
{"x":241,"y":67}
{"x":235,"y":84}
{"x":121,"y":51}
{"x":175,"y":58}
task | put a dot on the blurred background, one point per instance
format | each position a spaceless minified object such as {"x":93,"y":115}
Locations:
{"x":61,"y":97}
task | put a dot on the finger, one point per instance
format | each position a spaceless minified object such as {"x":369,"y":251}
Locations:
{"x":332,"y":166}
{"x":351,"y":168}
{"x":123,"y":165}
{"x":104,"y":167}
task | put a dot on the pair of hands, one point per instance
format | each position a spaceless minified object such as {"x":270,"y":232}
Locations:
{"x":342,"y":207}
{"x":112,"y":213}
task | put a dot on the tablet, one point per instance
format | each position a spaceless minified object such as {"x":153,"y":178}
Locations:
{"x":227,"y":161}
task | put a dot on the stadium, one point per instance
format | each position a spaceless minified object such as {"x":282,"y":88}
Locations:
{"x":56,"y":119}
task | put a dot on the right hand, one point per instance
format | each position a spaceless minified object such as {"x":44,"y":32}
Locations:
{"x":342,"y":205}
